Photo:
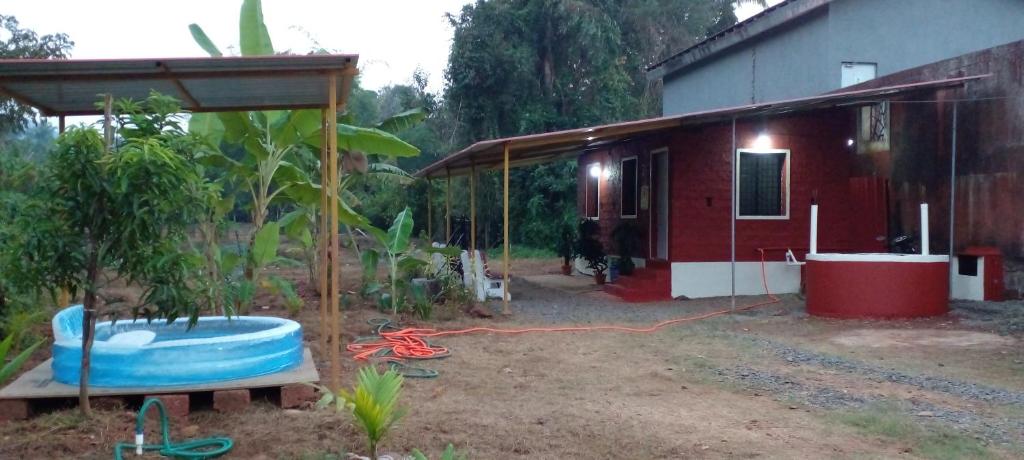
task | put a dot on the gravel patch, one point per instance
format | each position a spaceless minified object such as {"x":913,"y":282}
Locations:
{"x":533,"y":302}
{"x":1000,"y":430}
{"x":1003,"y":317}
{"x":960,"y":389}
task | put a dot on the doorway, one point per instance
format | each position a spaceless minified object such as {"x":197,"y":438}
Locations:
{"x":659,"y":195}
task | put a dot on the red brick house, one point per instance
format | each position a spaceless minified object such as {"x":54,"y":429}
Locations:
{"x":671,"y":178}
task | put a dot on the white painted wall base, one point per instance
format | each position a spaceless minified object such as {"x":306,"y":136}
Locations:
{"x":713,"y":279}
{"x":967,"y":287}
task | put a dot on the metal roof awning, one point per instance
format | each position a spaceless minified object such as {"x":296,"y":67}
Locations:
{"x":547,"y":147}
{"x":222,"y":84}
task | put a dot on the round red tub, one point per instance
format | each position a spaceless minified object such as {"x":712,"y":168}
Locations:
{"x":877,"y":285}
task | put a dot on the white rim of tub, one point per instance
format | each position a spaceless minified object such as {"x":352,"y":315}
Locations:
{"x":877,"y":257}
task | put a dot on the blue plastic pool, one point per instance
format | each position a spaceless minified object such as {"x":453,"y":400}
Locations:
{"x":141,"y":354}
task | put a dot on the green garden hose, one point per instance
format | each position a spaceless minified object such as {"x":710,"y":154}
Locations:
{"x":199,"y":448}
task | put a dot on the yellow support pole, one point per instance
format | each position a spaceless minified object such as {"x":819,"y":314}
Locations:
{"x":325,"y":181}
{"x":64,"y":298}
{"x":504,"y":299}
{"x":472,"y":208}
{"x":332,"y":150}
{"x":448,"y":208}
{"x":430,"y":214}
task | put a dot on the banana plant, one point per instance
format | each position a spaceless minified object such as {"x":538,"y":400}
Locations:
{"x":276,"y":142}
{"x":397,"y":249}
{"x":15,"y":331}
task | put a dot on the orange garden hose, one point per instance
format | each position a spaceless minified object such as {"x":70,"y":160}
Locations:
{"x":411,"y":343}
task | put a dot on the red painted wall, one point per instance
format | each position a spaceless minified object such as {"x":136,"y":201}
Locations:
{"x":700,"y":189}
{"x":610,"y":196}
{"x":820,"y":170}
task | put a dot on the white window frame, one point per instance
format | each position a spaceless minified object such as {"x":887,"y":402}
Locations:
{"x":789,"y":180}
{"x":586,"y":191}
{"x":636,"y":189}
{"x":854,"y":64}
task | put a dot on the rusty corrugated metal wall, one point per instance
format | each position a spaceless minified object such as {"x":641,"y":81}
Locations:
{"x":990,"y":155}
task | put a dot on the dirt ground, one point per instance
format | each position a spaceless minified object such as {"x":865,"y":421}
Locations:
{"x":766,"y":383}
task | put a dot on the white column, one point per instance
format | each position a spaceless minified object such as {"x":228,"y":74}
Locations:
{"x":924,"y":229}
{"x":814,"y":229}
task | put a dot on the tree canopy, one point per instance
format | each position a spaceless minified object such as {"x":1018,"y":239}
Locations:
{"x":528,"y":66}
{"x":19,"y":43}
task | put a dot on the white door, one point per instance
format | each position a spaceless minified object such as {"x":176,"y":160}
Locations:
{"x":661,"y":203}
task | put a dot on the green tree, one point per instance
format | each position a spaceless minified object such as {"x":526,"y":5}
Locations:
{"x":19,"y":43}
{"x":115,"y":211}
{"x":528,"y":66}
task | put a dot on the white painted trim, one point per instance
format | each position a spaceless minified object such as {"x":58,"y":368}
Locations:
{"x":652,"y":245}
{"x":586,"y":191}
{"x":789,"y":182}
{"x":967,"y":287}
{"x":713,"y":279}
{"x":636,"y":186}
{"x":870,"y":257}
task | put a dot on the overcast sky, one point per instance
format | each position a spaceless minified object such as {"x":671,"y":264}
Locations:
{"x":392,"y":37}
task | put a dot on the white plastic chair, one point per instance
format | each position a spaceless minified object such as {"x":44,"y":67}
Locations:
{"x":475,"y":278}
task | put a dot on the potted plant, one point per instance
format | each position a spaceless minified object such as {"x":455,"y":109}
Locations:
{"x":598,"y":264}
{"x":590,"y":249}
{"x":566,"y":250}
{"x":626,"y":235}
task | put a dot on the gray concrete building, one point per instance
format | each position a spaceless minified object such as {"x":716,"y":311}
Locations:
{"x":801,"y":48}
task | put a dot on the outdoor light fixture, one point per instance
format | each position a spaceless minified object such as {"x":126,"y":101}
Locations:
{"x":595,"y":170}
{"x":763,"y":142}
{"x":849,"y":142}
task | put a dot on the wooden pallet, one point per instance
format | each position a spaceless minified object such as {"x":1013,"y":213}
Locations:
{"x":36,"y":392}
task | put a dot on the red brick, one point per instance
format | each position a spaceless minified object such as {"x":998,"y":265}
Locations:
{"x":230,"y":400}
{"x":14,"y":409}
{"x":175,"y":404}
{"x":296,"y":394}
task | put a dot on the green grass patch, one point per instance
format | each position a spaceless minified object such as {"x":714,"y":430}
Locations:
{"x":927,"y":440}
{"x":522,"y":252}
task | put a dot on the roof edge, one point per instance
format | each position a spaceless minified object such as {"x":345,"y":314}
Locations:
{"x":771,"y":18}
{"x":866,"y":95}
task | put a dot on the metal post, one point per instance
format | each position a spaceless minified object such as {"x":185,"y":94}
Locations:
{"x":325,"y":183}
{"x":504,"y":299}
{"x":952,"y":199}
{"x":732,"y":218}
{"x":332,"y":151}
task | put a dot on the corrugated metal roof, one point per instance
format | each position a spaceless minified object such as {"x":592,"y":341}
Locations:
{"x":547,"y":147}
{"x":72,"y":87}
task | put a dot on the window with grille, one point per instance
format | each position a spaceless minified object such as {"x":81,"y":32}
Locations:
{"x":762,"y":184}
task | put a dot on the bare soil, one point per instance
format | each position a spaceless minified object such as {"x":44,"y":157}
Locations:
{"x":770,"y":383}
